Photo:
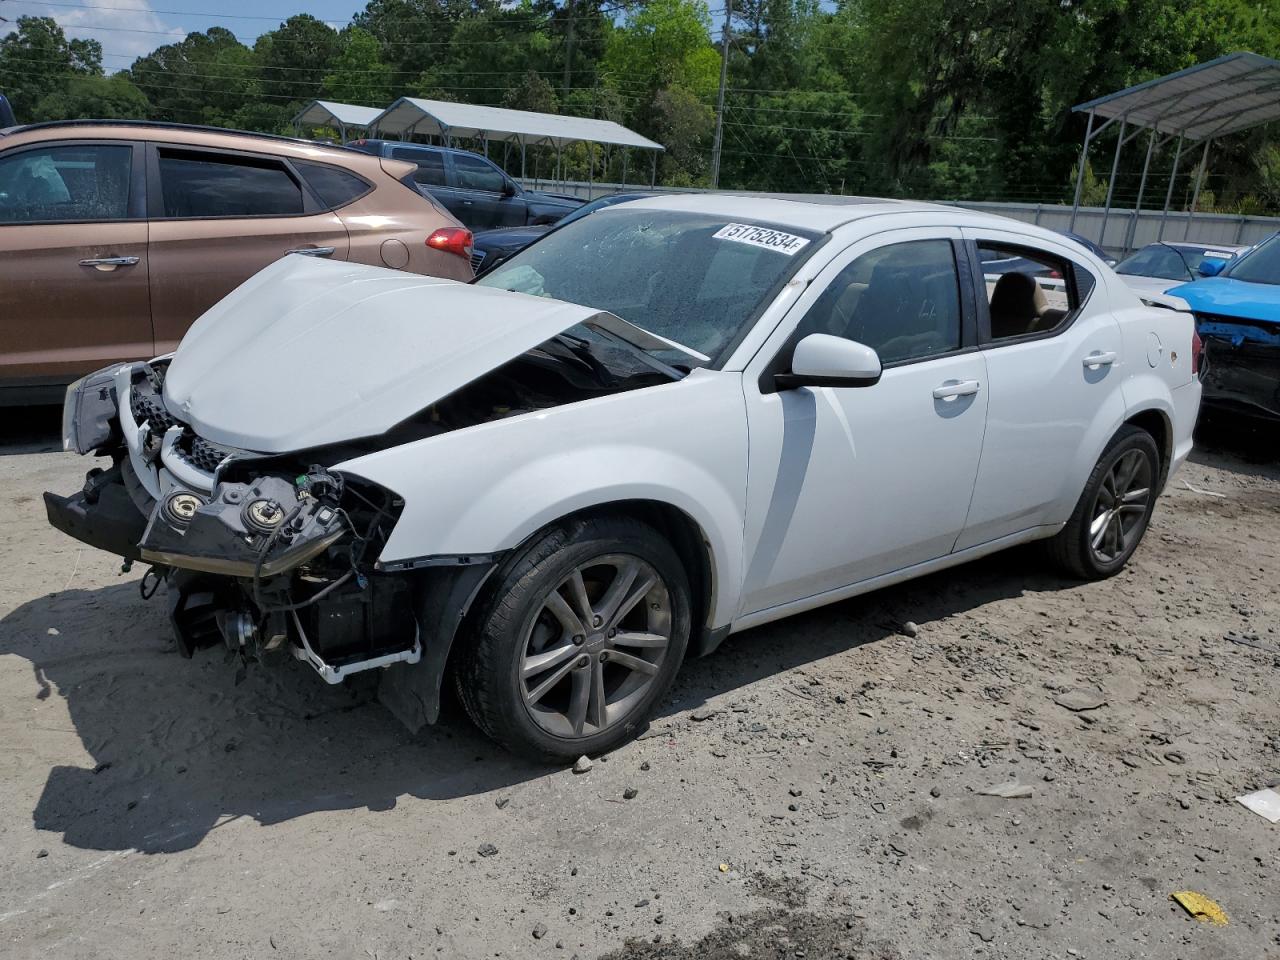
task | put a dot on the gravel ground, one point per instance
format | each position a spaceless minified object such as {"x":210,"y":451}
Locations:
{"x":812,"y":790}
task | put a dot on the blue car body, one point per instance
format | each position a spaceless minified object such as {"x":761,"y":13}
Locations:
{"x":1238,"y":319}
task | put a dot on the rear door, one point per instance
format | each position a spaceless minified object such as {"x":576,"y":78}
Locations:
{"x":217,"y":218}
{"x":1054,"y":357}
{"x":73,"y":259}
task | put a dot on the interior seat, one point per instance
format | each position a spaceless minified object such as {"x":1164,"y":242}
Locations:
{"x":1018,"y":306}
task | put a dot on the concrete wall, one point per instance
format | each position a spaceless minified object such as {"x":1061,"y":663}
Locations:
{"x":1203,"y":227}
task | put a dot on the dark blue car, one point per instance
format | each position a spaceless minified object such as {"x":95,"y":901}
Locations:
{"x":492,"y":247}
{"x":1238,"y":319}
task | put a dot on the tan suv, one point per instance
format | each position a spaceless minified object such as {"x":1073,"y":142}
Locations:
{"x":114,"y":237}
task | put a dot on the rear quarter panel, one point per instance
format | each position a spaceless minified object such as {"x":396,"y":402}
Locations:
{"x":1158,"y":348}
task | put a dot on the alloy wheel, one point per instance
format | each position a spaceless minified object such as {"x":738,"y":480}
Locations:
{"x":595,"y":646}
{"x":1121,"y":507}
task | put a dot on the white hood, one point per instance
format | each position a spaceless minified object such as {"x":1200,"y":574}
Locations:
{"x":307,"y":352}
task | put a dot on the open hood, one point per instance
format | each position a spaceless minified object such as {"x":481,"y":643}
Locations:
{"x":308,"y":353}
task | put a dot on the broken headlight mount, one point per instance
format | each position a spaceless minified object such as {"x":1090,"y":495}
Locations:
{"x":289,"y":562}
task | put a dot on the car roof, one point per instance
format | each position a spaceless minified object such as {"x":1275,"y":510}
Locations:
{"x":186,"y":134}
{"x":823,"y":213}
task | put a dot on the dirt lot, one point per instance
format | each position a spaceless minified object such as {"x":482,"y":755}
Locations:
{"x":809,"y":791}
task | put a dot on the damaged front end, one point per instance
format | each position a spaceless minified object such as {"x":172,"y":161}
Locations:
{"x":263,"y":555}
{"x":1240,"y":364}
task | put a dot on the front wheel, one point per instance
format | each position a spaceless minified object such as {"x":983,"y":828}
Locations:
{"x":580,"y":635}
{"x":1114,"y":509}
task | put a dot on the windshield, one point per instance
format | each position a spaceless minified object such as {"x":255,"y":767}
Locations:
{"x":690,"y":277}
{"x":1161,"y":261}
{"x":1261,"y":265}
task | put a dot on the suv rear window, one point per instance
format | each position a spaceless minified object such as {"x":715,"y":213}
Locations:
{"x":334,"y":187}
{"x":195,"y":184}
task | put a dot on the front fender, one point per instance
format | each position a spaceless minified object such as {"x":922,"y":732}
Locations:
{"x":487,"y":488}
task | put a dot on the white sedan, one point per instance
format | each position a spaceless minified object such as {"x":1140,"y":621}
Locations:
{"x":673,"y":420}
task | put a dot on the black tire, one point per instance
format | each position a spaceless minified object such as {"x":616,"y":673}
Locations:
{"x":1072,"y":549}
{"x":489,"y":676}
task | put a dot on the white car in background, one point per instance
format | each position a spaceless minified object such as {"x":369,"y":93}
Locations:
{"x":1157,"y":267}
{"x":678,"y":418}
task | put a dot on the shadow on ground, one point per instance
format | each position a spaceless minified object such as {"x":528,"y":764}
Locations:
{"x":175,"y":748}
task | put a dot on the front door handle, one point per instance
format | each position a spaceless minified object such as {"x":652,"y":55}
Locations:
{"x":1100,"y":359}
{"x":312,"y":251}
{"x":956,"y":388}
{"x":107,"y":264}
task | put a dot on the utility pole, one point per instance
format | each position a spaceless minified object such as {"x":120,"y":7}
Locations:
{"x":568,"y":46}
{"x":724,"y":75}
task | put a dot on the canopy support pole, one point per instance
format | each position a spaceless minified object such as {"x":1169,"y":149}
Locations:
{"x":653,"y":178}
{"x":1084,"y":159}
{"x":591,"y":171}
{"x":625,"y":152}
{"x":559,"y":169}
{"x":1132,"y":232}
{"x":1195,"y":194}
{"x":1111,"y":185}
{"x":522,"y":157}
{"x":1168,"y":194}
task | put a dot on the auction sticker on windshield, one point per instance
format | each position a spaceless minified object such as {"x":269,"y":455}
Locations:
{"x":787,"y":243}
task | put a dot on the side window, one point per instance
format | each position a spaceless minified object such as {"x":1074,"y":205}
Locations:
{"x":70,"y":184}
{"x":903,"y":300}
{"x":477,"y":174}
{"x":334,"y":187}
{"x":1029,"y":291}
{"x":430,"y":172}
{"x":195,"y":184}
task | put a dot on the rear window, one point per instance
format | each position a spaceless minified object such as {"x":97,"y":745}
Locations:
{"x":335,"y":187}
{"x":194,"y":184}
{"x":1261,"y":265}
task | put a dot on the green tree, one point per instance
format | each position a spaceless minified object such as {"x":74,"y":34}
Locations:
{"x":358,"y":73}
{"x":37,"y":59}
{"x":204,"y":78}
{"x":684,"y":125}
{"x":102,"y":98}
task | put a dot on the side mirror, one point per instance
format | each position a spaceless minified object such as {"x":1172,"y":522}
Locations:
{"x":1211,"y":267}
{"x":508,"y":188}
{"x":821,"y":360}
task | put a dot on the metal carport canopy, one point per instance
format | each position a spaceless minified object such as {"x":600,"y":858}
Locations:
{"x":410,"y":115}
{"x":1213,"y":99}
{"x":340,"y":115}
{"x":1202,"y":103}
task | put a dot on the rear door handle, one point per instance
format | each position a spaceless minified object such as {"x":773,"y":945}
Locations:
{"x":1100,"y":359}
{"x":107,"y":264}
{"x":312,"y":251}
{"x":956,"y":388}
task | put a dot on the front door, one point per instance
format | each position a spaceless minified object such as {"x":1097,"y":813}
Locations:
{"x":847,"y":484}
{"x":73,"y":261}
{"x":218,"y":217}
{"x":483,"y":186}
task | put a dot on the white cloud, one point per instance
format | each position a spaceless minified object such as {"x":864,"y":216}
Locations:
{"x":127,"y":29}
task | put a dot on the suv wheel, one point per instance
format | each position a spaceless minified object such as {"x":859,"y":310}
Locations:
{"x":1114,"y":509}
{"x":579,"y":637}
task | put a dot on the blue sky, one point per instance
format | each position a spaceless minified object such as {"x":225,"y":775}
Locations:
{"x":129,"y":28}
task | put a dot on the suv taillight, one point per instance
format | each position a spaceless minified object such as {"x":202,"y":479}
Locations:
{"x":455,"y":240}
{"x":1196,"y":347}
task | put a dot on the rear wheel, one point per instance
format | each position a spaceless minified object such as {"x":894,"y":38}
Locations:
{"x":580,"y":636}
{"x":1114,"y":509}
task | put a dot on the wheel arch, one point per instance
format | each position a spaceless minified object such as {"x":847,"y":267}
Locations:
{"x":1157,"y":422}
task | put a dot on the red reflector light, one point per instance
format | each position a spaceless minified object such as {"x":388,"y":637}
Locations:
{"x":1196,"y":347}
{"x":456,"y":240}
